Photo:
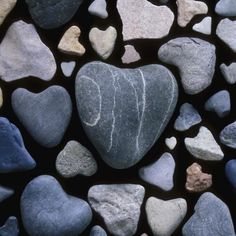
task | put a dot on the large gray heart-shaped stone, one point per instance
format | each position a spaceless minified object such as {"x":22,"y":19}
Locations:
{"x":124,"y":111}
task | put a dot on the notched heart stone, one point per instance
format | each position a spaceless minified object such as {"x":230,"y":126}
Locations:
{"x":124,"y":111}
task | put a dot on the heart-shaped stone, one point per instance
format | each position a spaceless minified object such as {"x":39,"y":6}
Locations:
{"x":45,"y":115}
{"x":124,"y":111}
{"x":47,"y":210}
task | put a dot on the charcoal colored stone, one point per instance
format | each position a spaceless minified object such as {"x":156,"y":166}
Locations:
{"x":228,"y":135}
{"x":230,"y":172}
{"x":10,"y":228}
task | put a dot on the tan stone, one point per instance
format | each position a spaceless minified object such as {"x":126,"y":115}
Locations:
{"x":197,"y":181}
{"x":70,"y":44}
{"x":1,"y":98}
{"x":5,"y":8}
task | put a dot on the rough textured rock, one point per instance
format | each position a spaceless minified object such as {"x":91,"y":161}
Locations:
{"x":103,"y":41}
{"x":165,"y":216}
{"x":160,"y":173}
{"x":98,"y":8}
{"x":211,"y":217}
{"x":1,"y":98}
{"x":50,"y":14}
{"x":226,"y":31}
{"x":228,"y":135}
{"x":118,"y":205}
{"x":229,"y":72}
{"x":171,"y":142}
{"x":124,"y":111}
{"x":130,"y":55}
{"x":47,"y":210}
{"x":17,"y":54}
{"x":68,"y":68}
{"x":204,"y":146}
{"x":188,"y":117}
{"x":6,"y":8}
{"x":45,"y":115}
{"x":75,"y":159}
{"x":204,"y":26}
{"x":219,"y":103}
{"x":230,"y":172}
{"x":187,"y":9}
{"x":69,"y":42}
{"x":14,"y":156}
{"x":143,"y":20}
{"x":226,"y":8}
{"x":97,"y":231}
{"x":197,"y":181}
{"x":10,"y":228}
{"x":195,"y":59}
{"x":5,"y":193}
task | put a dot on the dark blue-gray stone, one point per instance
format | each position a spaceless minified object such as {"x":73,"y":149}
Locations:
{"x":47,"y":210}
{"x":97,"y":231}
{"x":13,"y":154}
{"x":5,"y":193}
{"x":228,"y":135}
{"x":226,"y":8}
{"x":10,"y":228}
{"x":211,"y":218}
{"x":45,"y":115}
{"x":50,"y":14}
{"x":230,"y":172}
{"x":124,"y":111}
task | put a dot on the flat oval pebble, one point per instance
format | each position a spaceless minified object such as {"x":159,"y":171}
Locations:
{"x":10,"y":228}
{"x":228,"y":135}
{"x":97,"y":231}
{"x":230,"y":172}
{"x":226,"y":8}
{"x":5,"y":193}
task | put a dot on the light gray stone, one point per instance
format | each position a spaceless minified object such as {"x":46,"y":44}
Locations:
{"x":98,"y":8}
{"x":10,"y":228}
{"x":204,"y":26}
{"x":171,"y":142}
{"x":68,"y":68}
{"x":229,"y":72}
{"x":6,"y":8}
{"x":228,"y":135}
{"x":226,"y":8}
{"x":130,"y":55}
{"x":5,"y":193}
{"x":97,"y":231}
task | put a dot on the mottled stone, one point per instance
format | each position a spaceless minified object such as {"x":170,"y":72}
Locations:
{"x":130,"y":55}
{"x":204,"y":146}
{"x":1,"y":98}
{"x":226,"y":8}
{"x":219,"y":103}
{"x":226,"y":31}
{"x":69,"y":42}
{"x":197,"y":181}
{"x":188,"y":117}
{"x":229,"y":72}
{"x":103,"y":41}
{"x":68,"y":68}
{"x":50,"y":14}
{"x":98,"y":8}
{"x":6,"y":8}
{"x":165,"y":216}
{"x":228,"y":135}
{"x":124,"y":111}
{"x":230,"y":172}
{"x":171,"y":142}
{"x":47,"y":210}
{"x":204,"y":26}
{"x":17,"y":54}
{"x":211,"y":218}
{"x":160,"y":173}
{"x":118,"y":205}
{"x":143,"y":20}
{"x":10,"y":228}
{"x":75,"y":159}
{"x":45,"y":115}
{"x":5,"y":193}
{"x":14,"y":156}
{"x":195,"y":59}
{"x":97,"y":231}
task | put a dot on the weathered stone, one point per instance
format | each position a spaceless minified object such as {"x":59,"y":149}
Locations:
{"x":10,"y":228}
{"x":204,"y":26}
{"x":229,"y":72}
{"x":98,"y":8}
{"x":226,"y":8}
{"x":97,"y":231}
{"x":130,"y":55}
{"x":68,"y":68}
{"x":228,"y":135}
{"x":230,"y":172}
{"x":6,"y":8}
{"x":171,"y":142}
{"x":1,"y":98}
{"x":5,"y":193}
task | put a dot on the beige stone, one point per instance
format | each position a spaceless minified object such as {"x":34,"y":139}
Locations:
{"x":1,"y":98}
{"x":187,"y":9}
{"x":5,"y":8}
{"x":70,"y":44}
{"x":197,"y":181}
{"x":130,"y":55}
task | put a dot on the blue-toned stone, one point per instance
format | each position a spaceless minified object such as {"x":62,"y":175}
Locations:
{"x":230,"y":172}
{"x":10,"y":228}
{"x":5,"y":193}
{"x":228,"y":135}
{"x":97,"y":231}
{"x":226,"y":8}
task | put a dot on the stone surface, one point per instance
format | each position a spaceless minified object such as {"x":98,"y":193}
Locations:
{"x":230,"y":172}
{"x":5,"y":193}
{"x":197,"y":181}
{"x":103,"y":41}
{"x":130,"y":55}
{"x":229,"y":72}
{"x":204,"y":146}
{"x":204,"y":26}
{"x":143,"y":20}
{"x":219,"y":103}
{"x":50,"y":14}
{"x":165,"y":216}
{"x":160,"y":173}
{"x":6,"y":8}
{"x":187,"y":9}
{"x":171,"y":142}
{"x":97,"y":231}
{"x":228,"y":135}
{"x":124,"y":111}
{"x":68,"y":68}
{"x":226,"y":8}
{"x":69,"y":42}
{"x":45,"y":115}
{"x":75,"y":159}
{"x":226,"y":31}
{"x":188,"y":117}
{"x":14,"y":156}
{"x":195,"y":59}
{"x":98,"y":8}
{"x":17,"y":54}
{"x":1,"y":98}
{"x":47,"y":210}
{"x":211,"y":218}
{"x":10,"y":228}
{"x":118,"y":205}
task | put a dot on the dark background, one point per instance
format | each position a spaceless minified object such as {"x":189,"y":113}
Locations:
{"x":79,"y":185}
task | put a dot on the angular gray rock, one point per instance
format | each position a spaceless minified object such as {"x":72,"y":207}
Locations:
{"x":45,"y":115}
{"x":98,"y":8}
{"x":229,"y":72}
{"x":10,"y":228}
{"x":219,"y":103}
{"x":195,"y":59}
{"x":5,"y":193}
{"x":226,"y":8}
{"x":124,"y":111}
{"x":118,"y":205}
{"x":17,"y":54}
{"x":160,"y":173}
{"x":47,"y":210}
{"x":68,"y":68}
{"x":188,"y":117}
{"x":228,"y":135}
{"x":75,"y":159}
{"x":97,"y":231}
{"x":211,"y":218}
